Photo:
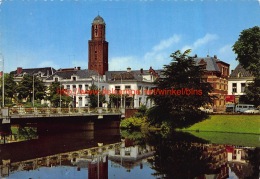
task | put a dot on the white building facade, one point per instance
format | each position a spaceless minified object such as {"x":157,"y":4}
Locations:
{"x":122,"y":89}
{"x":76,"y":83}
{"x":238,"y":80}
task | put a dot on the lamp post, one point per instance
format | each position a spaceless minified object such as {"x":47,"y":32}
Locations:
{"x":98,"y":91}
{"x":3,"y":81}
{"x":60,"y":95}
{"x":121,"y":103}
{"x":33,"y":90}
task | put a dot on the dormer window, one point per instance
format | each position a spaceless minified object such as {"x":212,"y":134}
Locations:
{"x":239,"y":75}
{"x":74,"y":78}
{"x":203,"y":64}
{"x":56,"y":79}
{"x":39,"y":74}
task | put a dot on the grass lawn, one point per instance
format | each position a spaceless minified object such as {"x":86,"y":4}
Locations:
{"x":229,"y":129}
{"x":245,"y":124}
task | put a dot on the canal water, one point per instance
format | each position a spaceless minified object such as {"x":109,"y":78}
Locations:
{"x":115,"y":154}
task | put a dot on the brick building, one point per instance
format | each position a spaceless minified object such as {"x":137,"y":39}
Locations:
{"x":98,"y":47}
{"x":216,"y":73}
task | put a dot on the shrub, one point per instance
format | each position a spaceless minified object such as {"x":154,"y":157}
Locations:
{"x":133,"y":123}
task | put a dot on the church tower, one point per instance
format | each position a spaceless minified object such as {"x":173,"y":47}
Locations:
{"x":98,"y":47}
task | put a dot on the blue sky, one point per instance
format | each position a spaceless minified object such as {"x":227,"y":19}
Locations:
{"x":141,"y":34}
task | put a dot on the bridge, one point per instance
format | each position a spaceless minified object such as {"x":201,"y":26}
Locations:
{"x":63,"y":118}
{"x":23,"y":112}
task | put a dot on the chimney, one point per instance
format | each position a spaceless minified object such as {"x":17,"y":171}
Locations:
{"x":128,"y":69}
{"x":19,"y":70}
{"x":141,"y":71}
{"x":78,"y":68}
{"x":195,"y":56}
{"x":215,"y":56}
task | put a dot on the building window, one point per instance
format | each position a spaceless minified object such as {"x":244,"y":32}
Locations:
{"x":80,"y":87}
{"x":74,"y":78}
{"x":117,"y":89}
{"x":234,"y":87}
{"x":86,"y":87}
{"x":80,"y":101}
{"x":243,"y":86}
{"x":56,"y":79}
{"x":217,"y":86}
{"x":68,"y":87}
{"x":140,"y":89}
{"x":127,"y":87}
{"x":74,"y":87}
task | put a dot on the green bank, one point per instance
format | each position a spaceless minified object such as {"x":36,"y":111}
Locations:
{"x":246,"y":124}
{"x":229,"y":129}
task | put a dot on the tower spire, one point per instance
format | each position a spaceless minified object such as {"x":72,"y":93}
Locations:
{"x":98,"y":47}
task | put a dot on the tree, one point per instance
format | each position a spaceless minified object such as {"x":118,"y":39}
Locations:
{"x":94,"y":97}
{"x":252,"y":93}
{"x":10,"y":87}
{"x":115,"y":100}
{"x":25,"y":88}
{"x":180,"y":92}
{"x":56,"y":93}
{"x":247,"y":48}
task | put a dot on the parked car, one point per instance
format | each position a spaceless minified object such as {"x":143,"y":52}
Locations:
{"x":252,"y":111}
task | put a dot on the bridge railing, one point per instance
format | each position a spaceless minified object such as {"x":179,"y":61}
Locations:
{"x":61,"y":111}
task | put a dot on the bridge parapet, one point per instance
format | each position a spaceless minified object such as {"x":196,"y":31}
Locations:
{"x":45,"y":112}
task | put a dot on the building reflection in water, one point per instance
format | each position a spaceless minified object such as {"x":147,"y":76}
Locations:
{"x":223,"y":159}
{"x":238,"y":161}
{"x":129,"y":155}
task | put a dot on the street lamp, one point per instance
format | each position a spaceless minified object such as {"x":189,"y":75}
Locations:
{"x":121,"y":103}
{"x":60,"y":95}
{"x":98,"y":86}
{"x":33,"y":90}
{"x":98,"y":91}
{"x":3,"y":81}
{"x":33,"y":87}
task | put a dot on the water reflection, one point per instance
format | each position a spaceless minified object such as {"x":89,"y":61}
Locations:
{"x":189,"y":157}
{"x":109,"y":154}
{"x":18,"y":133}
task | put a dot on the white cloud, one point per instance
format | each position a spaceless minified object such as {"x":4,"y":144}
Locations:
{"x":121,"y":63}
{"x":159,"y":54}
{"x":226,"y":54}
{"x":200,"y":42}
{"x":167,"y":43}
{"x":156,"y":57}
{"x":225,"y":49}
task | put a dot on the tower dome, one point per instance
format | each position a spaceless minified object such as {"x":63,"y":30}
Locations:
{"x":98,"y":20}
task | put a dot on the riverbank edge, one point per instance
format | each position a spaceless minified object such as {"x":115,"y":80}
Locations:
{"x":239,"y":124}
{"x":185,"y":130}
{"x":146,"y":126}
